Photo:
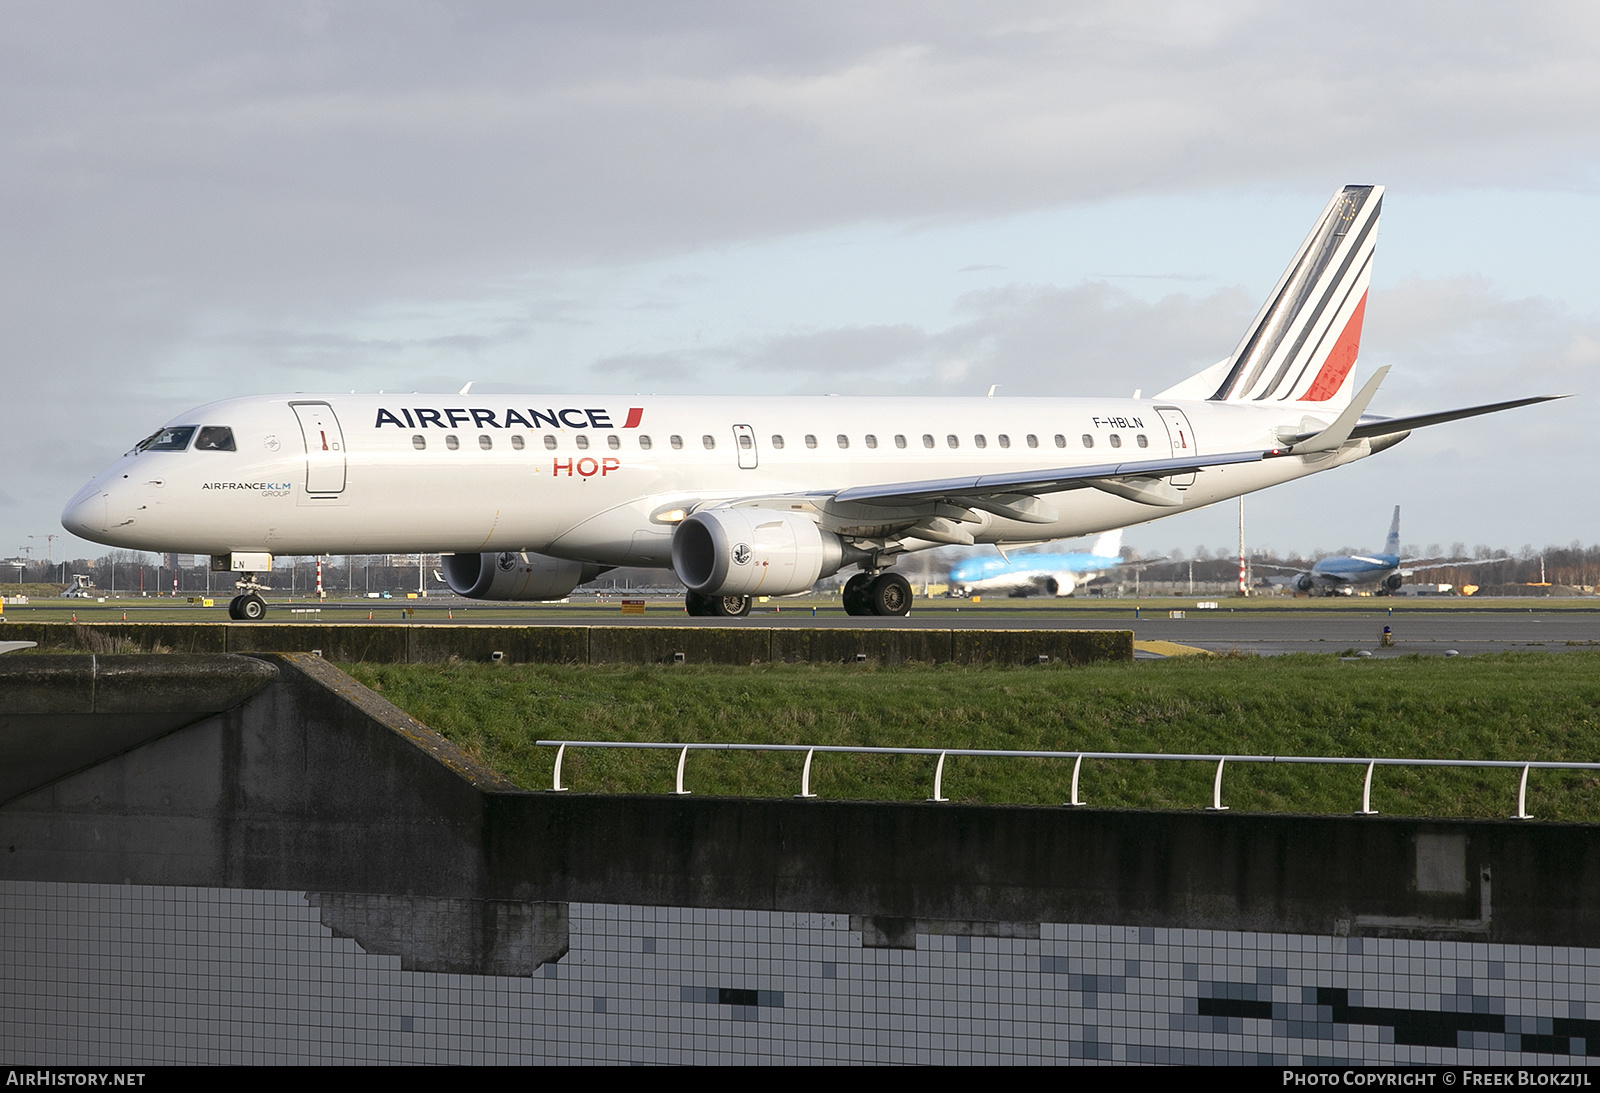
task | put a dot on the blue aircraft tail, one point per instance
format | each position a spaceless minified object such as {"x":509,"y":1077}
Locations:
{"x":1391,"y":545}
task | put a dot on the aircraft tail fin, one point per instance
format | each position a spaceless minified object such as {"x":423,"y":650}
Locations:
{"x":1391,"y":545}
{"x":1302,"y":345}
{"x":1108,"y":545}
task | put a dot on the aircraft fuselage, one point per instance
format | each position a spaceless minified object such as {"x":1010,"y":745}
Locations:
{"x":604,"y":478}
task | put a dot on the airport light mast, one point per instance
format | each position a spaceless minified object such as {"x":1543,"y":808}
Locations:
{"x":1244,"y":585}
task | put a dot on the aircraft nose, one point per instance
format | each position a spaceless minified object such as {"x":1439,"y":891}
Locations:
{"x":85,"y":514}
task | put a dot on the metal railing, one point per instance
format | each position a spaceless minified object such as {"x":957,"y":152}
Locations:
{"x":1077,"y":758}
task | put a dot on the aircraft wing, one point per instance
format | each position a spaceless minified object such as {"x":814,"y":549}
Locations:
{"x":1053,"y":480}
{"x":1412,"y":567}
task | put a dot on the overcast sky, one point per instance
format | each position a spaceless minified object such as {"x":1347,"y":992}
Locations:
{"x":204,"y":200}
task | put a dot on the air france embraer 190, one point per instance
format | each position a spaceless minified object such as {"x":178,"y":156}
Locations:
{"x":755,"y":496}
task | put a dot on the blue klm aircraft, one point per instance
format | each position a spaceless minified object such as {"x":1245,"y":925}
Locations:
{"x":1043,"y":574}
{"x":1342,"y":576}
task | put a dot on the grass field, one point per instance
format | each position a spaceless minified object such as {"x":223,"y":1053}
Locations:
{"x":1513,"y":706}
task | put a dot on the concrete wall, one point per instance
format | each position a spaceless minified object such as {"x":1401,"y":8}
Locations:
{"x":744,"y":644}
{"x":317,"y":784}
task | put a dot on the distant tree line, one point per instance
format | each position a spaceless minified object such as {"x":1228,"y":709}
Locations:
{"x":134,"y":573}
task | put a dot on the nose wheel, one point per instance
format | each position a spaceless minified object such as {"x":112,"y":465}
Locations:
{"x":247,"y":608}
{"x":885,"y":594}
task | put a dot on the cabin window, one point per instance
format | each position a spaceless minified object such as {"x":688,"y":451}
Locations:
{"x":676,"y":441}
{"x":581,"y":441}
{"x":451,"y":442}
{"x":418,"y":441}
{"x":777,"y":440}
{"x":1143,"y":441}
{"x":952,"y":441}
{"x":899,"y":440}
{"x":844,"y":441}
{"x":644,"y":443}
{"x":518,"y":443}
{"x":709,"y":441}
{"x":215,"y":438}
{"x":613,"y":441}
{"x":1088,"y":441}
{"x":550,"y":441}
{"x":811,"y":440}
{"x":1116,"y":440}
{"x":927,"y":440}
{"x":872,"y":440}
{"x":1005,"y":441}
{"x":746,"y":441}
{"x":484,"y":442}
{"x":980,"y":441}
{"x":1061,"y":441}
{"x":1033,"y":441}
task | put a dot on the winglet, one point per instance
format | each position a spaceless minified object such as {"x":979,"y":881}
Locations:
{"x":1334,"y":436}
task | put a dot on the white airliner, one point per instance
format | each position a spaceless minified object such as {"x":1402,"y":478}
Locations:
{"x":747,"y":496}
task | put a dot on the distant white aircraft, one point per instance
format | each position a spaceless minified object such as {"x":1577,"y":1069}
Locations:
{"x":1037,"y":574}
{"x":1385,"y":571}
{"x":756,"y":495}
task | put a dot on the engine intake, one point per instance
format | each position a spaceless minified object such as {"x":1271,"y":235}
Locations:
{"x":514,"y":576}
{"x":748,"y":551}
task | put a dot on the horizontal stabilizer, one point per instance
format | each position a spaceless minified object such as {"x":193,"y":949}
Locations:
{"x":1383,"y":426}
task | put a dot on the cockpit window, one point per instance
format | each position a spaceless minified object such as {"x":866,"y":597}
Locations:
{"x":175,"y":439}
{"x":215,"y":438}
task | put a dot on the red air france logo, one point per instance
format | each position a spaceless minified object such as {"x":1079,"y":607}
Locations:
{"x":480,"y":417}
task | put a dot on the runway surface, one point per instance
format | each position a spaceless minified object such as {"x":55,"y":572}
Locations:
{"x":1251,"y":630}
{"x":1261,"y":628}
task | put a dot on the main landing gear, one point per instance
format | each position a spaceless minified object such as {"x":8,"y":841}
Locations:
{"x":884,"y":594}
{"x":730,"y":607}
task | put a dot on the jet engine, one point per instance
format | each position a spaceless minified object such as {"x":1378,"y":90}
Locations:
{"x":1304,"y":583}
{"x":1393,"y":582}
{"x":1061,"y":584}
{"x":514,"y":576}
{"x":749,"y":552}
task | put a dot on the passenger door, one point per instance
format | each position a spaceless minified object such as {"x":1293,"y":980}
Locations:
{"x":325,"y":454}
{"x":1181,"y":437}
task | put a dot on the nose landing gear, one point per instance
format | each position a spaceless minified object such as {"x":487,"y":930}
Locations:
{"x":248,"y":606}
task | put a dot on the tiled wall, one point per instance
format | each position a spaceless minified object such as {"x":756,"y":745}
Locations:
{"x":105,"y":974}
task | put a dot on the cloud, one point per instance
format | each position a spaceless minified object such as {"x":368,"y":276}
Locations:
{"x":1091,"y":338}
{"x":199,"y":200}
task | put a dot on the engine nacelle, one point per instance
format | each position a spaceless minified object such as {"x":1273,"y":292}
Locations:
{"x":750,"y":552}
{"x":1393,"y":582}
{"x":1304,"y":583}
{"x":514,"y":576}
{"x":1061,"y":584}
